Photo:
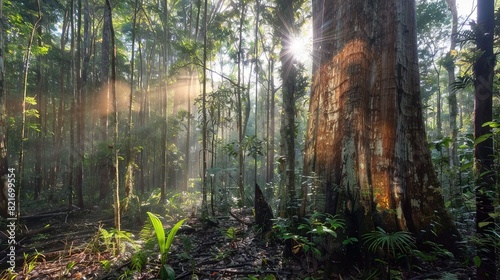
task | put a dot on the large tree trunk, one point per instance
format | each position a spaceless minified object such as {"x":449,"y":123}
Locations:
{"x":484,"y":151}
{"x":366,"y":142}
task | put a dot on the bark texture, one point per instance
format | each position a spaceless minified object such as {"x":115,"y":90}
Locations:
{"x":366,"y":142}
{"x":484,"y":151}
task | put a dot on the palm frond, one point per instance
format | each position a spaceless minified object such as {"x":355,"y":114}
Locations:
{"x":391,"y":244}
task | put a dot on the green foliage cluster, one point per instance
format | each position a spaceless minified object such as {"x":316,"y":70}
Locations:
{"x":115,"y":241}
{"x":312,"y":237}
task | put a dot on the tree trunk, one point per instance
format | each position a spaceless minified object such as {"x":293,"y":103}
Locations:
{"x":287,"y":131}
{"x":366,"y":142}
{"x":116,"y":183}
{"x":450,"y":68}
{"x":3,"y":129}
{"x":59,"y":114}
{"x":72,"y":108}
{"x":270,"y":127}
{"x":239,"y":105}
{"x":23,"y":110}
{"x":455,"y":192}
{"x":105,"y":166}
{"x":484,"y":150}
{"x":40,"y":90}
{"x":204,"y":204}
{"x":80,"y":112}
{"x":129,"y":175}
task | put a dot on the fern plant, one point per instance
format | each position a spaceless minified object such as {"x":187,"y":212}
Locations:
{"x":112,"y":238}
{"x":166,"y":272}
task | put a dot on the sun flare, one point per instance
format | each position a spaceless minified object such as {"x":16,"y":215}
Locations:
{"x":299,"y":48}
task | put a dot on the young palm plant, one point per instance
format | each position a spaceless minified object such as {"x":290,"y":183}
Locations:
{"x":166,"y":272}
{"x":391,"y":245}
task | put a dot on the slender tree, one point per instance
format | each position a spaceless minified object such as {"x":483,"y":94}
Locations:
{"x":80,"y":110}
{"x":204,"y":148}
{"x":39,"y":93}
{"x":366,"y":142}
{"x":450,"y":68}
{"x":3,"y":128}
{"x":129,"y":178}
{"x":59,"y":112}
{"x":23,"y":106}
{"x":239,"y":99}
{"x":288,"y":73}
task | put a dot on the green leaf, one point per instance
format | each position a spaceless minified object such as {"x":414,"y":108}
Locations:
{"x":30,"y":100}
{"x":483,"y":224}
{"x":172,"y":234}
{"x":160,"y":232}
{"x":270,"y":277}
{"x":303,"y":226}
{"x":477,"y":261}
{"x":491,"y":124}
{"x":467,"y":166}
{"x":349,"y":241}
{"x":167,"y":272}
{"x":494,"y":215}
{"x":482,"y":138}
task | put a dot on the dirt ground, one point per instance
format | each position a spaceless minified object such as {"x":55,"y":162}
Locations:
{"x":61,"y":245}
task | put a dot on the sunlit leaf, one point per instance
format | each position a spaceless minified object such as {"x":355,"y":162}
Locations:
{"x":482,"y":138}
{"x":30,"y":100}
{"x":491,"y":124}
{"x":172,"y":234}
{"x":494,"y":215}
{"x":160,"y":232}
{"x":483,"y":224}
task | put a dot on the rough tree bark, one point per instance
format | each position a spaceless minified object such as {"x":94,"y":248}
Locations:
{"x":484,"y":151}
{"x":366,"y":142}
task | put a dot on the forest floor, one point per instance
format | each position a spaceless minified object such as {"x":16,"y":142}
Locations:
{"x":61,"y":245}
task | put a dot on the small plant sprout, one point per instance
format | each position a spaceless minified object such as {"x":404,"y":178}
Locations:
{"x":166,"y":272}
